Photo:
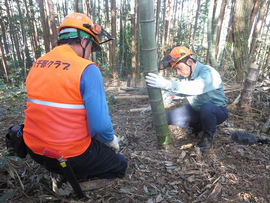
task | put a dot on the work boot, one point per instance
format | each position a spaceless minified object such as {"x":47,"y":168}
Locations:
{"x":205,"y":143}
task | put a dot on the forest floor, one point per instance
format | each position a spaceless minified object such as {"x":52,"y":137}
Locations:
{"x":227,"y":173}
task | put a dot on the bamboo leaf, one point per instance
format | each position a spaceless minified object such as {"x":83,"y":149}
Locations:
{"x":20,"y":181}
{"x":2,"y":162}
{"x":7,"y":196}
{"x":145,"y":189}
{"x":15,"y":158}
{"x":10,"y":170}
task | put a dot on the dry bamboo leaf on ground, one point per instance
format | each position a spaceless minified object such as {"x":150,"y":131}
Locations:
{"x":215,"y":192}
{"x":96,"y":184}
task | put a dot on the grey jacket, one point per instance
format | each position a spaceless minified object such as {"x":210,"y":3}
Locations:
{"x":205,"y":86}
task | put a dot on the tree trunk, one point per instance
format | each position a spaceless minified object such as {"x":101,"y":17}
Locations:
{"x":108,"y":30}
{"x":267,"y":63}
{"x":79,"y":6}
{"x":190,"y":20}
{"x":150,"y":65}
{"x":66,"y":7}
{"x":242,"y":12}
{"x":257,"y":32}
{"x":133,"y":47}
{"x":219,"y":25}
{"x":121,"y":40}
{"x":46,"y":38}
{"x":4,"y":65}
{"x":12,"y":35}
{"x":34,"y":25}
{"x":173,"y":24}
{"x":195,"y":25}
{"x":229,"y":34}
{"x":138,"y":42}
{"x":49,"y":33}
{"x":254,"y":12}
{"x":99,"y":13}
{"x":210,"y":35}
{"x":157,"y":19}
{"x":124,"y":60}
{"x":58,"y":14}
{"x":30,"y":30}
{"x":85,"y":6}
{"x":249,"y":86}
{"x":157,"y":26}
{"x":163,"y":30}
{"x":113,"y":16}
{"x":167,"y":20}
{"x":3,"y":31}
{"x":25,"y":43}
{"x":52,"y":24}
{"x":93,"y":13}
{"x":215,"y":28}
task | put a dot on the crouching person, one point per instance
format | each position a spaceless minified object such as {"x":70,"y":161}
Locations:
{"x":203,"y":88}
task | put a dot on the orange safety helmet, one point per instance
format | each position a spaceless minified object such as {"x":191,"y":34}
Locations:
{"x":84,"y":23}
{"x":77,"y":20}
{"x":176,"y":55}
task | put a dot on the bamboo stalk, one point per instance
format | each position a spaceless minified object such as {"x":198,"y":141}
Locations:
{"x":149,"y":50}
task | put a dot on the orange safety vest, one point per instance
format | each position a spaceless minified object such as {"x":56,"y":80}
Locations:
{"x":55,"y":114}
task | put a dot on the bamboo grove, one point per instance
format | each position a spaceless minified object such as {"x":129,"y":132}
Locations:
{"x":227,"y":34}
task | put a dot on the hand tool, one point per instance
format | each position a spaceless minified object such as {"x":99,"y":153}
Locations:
{"x":66,"y":170}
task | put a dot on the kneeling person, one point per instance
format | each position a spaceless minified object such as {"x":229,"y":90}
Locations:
{"x":67,"y":109}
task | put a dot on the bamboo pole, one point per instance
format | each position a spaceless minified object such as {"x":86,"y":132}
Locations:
{"x":147,"y":21}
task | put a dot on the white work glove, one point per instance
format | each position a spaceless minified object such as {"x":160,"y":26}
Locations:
{"x":157,"y":81}
{"x":114,"y":144}
{"x":167,"y":97}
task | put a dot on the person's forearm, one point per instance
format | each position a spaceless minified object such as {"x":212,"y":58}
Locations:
{"x":93,"y":94}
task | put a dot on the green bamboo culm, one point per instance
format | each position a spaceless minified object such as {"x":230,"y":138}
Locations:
{"x":147,"y":22}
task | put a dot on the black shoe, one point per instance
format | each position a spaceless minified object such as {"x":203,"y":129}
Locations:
{"x":205,"y":143}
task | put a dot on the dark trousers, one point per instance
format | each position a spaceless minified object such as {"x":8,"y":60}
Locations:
{"x":98,"y":161}
{"x":205,"y":120}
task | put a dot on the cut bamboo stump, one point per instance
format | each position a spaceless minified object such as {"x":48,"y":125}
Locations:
{"x":128,"y":80}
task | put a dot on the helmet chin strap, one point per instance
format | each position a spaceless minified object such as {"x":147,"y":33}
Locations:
{"x":88,"y":41}
{"x":189,"y":77}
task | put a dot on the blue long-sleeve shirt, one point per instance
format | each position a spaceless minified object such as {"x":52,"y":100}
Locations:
{"x":205,"y":86}
{"x":94,"y":99}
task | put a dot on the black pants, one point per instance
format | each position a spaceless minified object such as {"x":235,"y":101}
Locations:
{"x":98,"y":161}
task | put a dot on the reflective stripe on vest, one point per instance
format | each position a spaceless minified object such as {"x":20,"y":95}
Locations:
{"x":58,"y":105}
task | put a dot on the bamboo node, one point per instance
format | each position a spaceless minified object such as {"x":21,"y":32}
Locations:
{"x":151,"y":49}
{"x":147,"y":21}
